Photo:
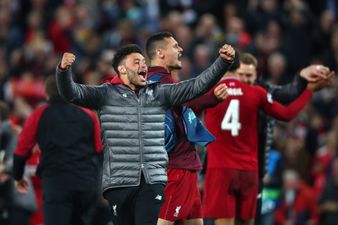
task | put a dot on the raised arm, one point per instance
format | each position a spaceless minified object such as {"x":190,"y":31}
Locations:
{"x":175,"y":94}
{"x":287,"y":113}
{"x":288,"y":92}
{"x":285,"y":94}
{"x":89,"y":96}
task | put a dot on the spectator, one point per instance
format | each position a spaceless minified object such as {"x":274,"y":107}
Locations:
{"x":16,"y":207}
{"x":298,"y":202}
{"x":328,"y":202}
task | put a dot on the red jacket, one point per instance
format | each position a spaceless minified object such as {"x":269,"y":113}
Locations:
{"x":304,"y":207}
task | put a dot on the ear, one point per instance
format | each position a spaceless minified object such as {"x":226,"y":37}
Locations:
{"x":159,"y":53}
{"x":122,"y":69}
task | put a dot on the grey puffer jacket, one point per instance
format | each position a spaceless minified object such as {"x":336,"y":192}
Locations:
{"x":132,"y":126}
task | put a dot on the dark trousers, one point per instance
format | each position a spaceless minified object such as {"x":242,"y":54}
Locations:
{"x":68,"y":207}
{"x":135,"y":205}
{"x":18,"y":216}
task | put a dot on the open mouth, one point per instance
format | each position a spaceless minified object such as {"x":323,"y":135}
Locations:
{"x":143,"y":75}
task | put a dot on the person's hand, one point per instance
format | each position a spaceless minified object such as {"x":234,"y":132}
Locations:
{"x":67,"y":60}
{"x":221,"y":92}
{"x":318,"y":85}
{"x":314,"y":73}
{"x":21,"y":186}
{"x":227,"y":53}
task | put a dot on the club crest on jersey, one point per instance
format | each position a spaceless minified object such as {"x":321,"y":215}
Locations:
{"x":114,"y":210}
{"x":177,"y":211}
{"x":269,"y":98}
{"x":234,"y":91}
{"x":150,"y":94}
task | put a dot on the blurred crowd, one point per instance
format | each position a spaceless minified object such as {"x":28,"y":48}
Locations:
{"x":284,"y":35}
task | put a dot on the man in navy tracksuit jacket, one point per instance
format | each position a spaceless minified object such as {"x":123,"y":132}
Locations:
{"x":69,"y":139}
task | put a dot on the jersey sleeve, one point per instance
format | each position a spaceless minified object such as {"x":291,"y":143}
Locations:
{"x":27,"y":137}
{"x":279,"y":111}
{"x":207,"y":100}
{"x":26,"y":142}
{"x":96,"y":130}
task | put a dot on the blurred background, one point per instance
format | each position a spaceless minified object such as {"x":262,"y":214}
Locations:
{"x":284,"y":35}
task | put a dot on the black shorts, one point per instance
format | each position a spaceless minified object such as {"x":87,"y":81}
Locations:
{"x":138,"y":205}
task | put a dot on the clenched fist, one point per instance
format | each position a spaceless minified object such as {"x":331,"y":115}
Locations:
{"x":314,"y":73}
{"x":322,"y":83}
{"x":67,"y":60}
{"x":227,"y":53}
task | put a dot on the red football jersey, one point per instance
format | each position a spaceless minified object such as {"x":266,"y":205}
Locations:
{"x":234,"y":124}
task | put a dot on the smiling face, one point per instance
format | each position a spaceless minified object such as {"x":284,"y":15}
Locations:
{"x":133,"y":70}
{"x":172,"y":53}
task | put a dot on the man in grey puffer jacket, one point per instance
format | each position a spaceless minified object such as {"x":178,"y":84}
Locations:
{"x":132,"y":112}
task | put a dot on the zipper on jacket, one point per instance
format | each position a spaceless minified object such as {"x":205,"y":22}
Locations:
{"x":143,"y":170}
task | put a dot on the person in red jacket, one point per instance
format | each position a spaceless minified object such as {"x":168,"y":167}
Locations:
{"x":298,"y":203}
{"x":69,"y":139}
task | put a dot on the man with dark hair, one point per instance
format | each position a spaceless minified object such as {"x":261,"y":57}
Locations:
{"x":132,"y":114}
{"x":182,"y":197}
{"x":69,"y":139}
{"x":155,"y":42}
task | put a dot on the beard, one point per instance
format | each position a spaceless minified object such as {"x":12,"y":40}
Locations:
{"x":135,"y":79}
{"x":175,"y":67}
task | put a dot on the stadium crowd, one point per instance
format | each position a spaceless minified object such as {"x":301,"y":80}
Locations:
{"x":284,"y":35}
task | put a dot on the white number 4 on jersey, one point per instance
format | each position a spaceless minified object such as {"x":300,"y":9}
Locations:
{"x":231,"y":118}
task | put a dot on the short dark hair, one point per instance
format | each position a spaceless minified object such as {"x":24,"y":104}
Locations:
{"x":154,"y":40}
{"x":121,"y":54}
{"x":51,"y":87}
{"x":248,"y":59}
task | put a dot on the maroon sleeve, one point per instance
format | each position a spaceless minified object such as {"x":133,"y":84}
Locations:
{"x":281,"y":112}
{"x":166,"y":80}
{"x":96,"y":131}
{"x":207,"y":100}
{"x":27,"y":137}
